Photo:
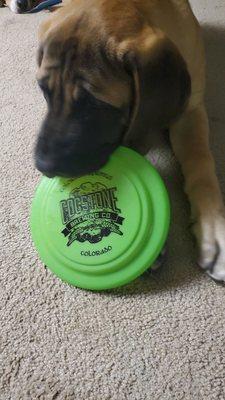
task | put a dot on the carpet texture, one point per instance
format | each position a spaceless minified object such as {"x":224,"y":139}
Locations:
{"x":161,"y":337}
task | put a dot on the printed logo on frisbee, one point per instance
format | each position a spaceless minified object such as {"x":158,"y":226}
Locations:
{"x":91,"y":213}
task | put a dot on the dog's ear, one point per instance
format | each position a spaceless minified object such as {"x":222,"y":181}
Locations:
{"x":161,"y":84}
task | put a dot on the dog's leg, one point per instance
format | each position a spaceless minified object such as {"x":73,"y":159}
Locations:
{"x":189,"y":137}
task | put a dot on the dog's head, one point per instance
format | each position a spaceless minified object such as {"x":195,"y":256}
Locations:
{"x":21,"y":6}
{"x":105,"y":82}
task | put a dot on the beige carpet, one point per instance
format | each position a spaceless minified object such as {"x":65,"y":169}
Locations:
{"x":162,"y":337}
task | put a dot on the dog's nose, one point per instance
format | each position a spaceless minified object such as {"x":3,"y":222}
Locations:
{"x":22,"y":5}
{"x":47,"y":167}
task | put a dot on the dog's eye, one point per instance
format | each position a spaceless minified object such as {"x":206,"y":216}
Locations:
{"x":90,"y":87}
{"x":82,"y":86}
{"x":45,"y":88}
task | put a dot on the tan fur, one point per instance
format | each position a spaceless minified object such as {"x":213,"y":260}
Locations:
{"x":146,"y":28}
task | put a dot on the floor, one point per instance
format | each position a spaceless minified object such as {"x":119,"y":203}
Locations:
{"x":161,"y":337}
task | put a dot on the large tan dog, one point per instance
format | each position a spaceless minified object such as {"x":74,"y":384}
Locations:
{"x":115,"y":71}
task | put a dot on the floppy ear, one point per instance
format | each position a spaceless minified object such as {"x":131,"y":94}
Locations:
{"x":161,"y":85}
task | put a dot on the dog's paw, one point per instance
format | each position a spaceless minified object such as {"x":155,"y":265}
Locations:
{"x":210,"y":234}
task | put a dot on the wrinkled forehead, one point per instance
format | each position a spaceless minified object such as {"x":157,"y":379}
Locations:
{"x":52,"y":54}
{"x":72,"y":58}
{"x":68,"y":37}
{"x":75,"y":59}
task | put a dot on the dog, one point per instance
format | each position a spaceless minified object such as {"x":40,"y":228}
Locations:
{"x":19,"y":6}
{"x":117,"y":72}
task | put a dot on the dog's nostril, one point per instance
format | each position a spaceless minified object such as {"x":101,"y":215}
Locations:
{"x":22,"y":4}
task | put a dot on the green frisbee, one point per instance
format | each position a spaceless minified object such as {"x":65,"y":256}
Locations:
{"x":104,"y":229}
